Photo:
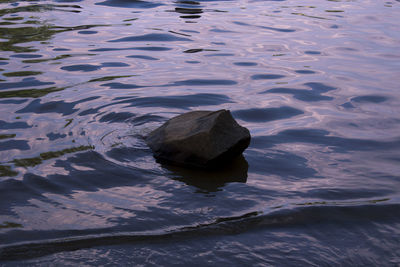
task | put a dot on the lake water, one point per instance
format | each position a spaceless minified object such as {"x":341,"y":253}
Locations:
{"x":315,"y":82}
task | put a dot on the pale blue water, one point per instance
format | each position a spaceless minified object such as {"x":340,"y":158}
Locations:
{"x":316,"y":83}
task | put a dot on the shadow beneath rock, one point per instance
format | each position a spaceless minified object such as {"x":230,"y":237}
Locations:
{"x":211,"y":180}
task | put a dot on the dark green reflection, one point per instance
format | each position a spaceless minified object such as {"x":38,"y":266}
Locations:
{"x":10,"y":225}
{"x":54,"y":58}
{"x":7,"y":171}
{"x":27,"y":162}
{"x":308,"y":16}
{"x":109,"y":78}
{"x":26,"y":34}
{"x":21,"y":73}
{"x":33,"y":93}
{"x":14,"y":18}
{"x":30,"y":162}
{"x":6,"y":136}
{"x":69,"y":121}
{"x":56,"y":154}
{"x":6,"y":23}
{"x":35,"y":8}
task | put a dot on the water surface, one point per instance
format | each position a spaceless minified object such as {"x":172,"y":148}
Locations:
{"x":316,"y":83}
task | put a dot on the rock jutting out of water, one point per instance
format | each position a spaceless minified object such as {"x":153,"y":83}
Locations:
{"x":205,"y":139}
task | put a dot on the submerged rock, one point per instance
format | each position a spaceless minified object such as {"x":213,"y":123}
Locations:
{"x":205,"y":139}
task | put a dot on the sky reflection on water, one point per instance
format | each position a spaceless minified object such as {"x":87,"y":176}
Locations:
{"x":81,"y":83}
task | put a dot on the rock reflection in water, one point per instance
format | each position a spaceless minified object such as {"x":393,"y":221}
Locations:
{"x":211,"y":180}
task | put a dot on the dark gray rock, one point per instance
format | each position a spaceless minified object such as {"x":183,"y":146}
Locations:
{"x":205,"y":139}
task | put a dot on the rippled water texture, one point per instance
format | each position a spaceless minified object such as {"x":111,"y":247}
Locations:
{"x":315,"y":82}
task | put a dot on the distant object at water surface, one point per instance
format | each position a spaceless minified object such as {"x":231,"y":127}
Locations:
{"x":204,"y":139}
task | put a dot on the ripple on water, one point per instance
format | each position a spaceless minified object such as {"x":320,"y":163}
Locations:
{"x":88,"y":32}
{"x":181,"y":101}
{"x":203,"y":82}
{"x":323,"y":138}
{"x":376,"y":99}
{"x":26,"y":56}
{"x":130,"y":4}
{"x":62,"y":107}
{"x":267,"y":76}
{"x":142,"y":48}
{"x":305,"y":71}
{"x":245,"y":64}
{"x":143,"y":57}
{"x":151,"y":37}
{"x":267,"y":114}
{"x":13,"y":125}
{"x":91,"y":67}
{"x":116,"y":117}
{"x":116,"y":85}
{"x":14,"y":144}
{"x":315,"y":94}
{"x":26,"y":82}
